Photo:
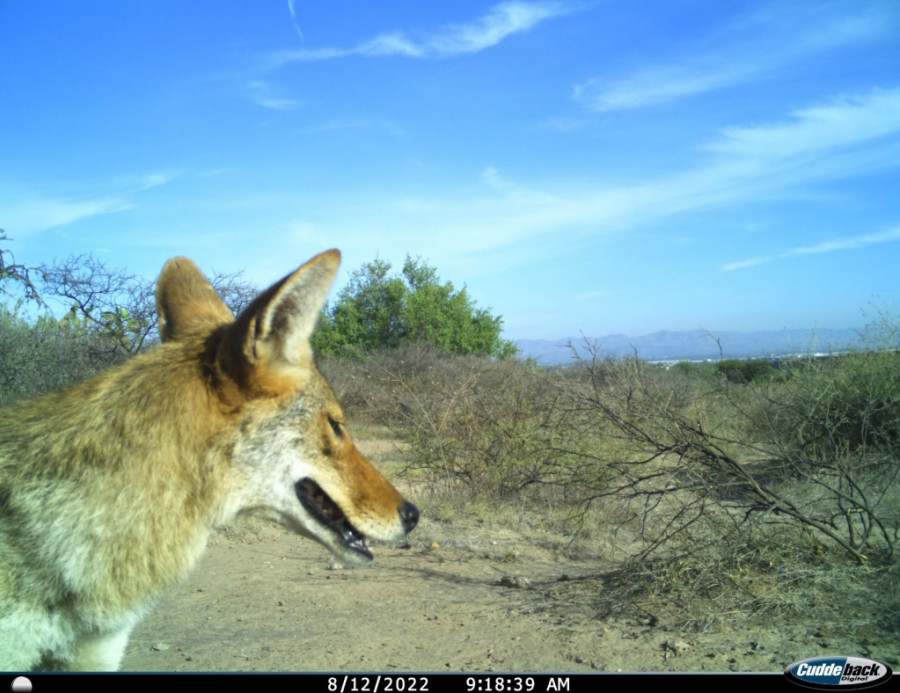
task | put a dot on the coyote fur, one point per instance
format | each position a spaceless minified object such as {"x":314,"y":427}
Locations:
{"x":110,"y":489}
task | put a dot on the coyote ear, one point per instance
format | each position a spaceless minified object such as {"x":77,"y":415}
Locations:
{"x":277,"y":326}
{"x":186,"y":301}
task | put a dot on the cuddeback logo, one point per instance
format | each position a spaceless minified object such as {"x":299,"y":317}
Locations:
{"x":846,"y":672}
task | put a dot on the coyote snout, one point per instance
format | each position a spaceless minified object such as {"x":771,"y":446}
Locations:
{"x":109,"y":490}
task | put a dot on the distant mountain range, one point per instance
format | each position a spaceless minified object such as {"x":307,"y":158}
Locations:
{"x":694,"y":345}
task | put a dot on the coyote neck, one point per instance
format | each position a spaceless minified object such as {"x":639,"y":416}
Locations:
{"x":51,"y":442}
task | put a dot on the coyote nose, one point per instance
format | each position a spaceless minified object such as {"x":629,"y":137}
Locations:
{"x":409,"y":516}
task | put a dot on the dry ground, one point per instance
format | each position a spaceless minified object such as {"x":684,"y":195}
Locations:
{"x":464,"y":595}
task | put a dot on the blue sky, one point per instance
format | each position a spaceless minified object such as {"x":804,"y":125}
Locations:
{"x":595,"y":167}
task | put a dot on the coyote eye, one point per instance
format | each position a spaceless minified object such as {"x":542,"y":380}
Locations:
{"x":336,"y":427}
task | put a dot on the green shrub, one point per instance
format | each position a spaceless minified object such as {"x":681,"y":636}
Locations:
{"x":744,"y":371}
{"x":842,"y":404}
{"x":378,"y":310}
{"x":47,"y":355}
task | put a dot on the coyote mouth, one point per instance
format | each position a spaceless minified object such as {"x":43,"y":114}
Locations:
{"x":318,"y":504}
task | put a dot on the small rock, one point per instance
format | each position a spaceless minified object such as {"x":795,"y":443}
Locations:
{"x":515,"y":582}
{"x":676,"y":647}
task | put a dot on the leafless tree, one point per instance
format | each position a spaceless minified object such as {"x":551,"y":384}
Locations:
{"x":120,"y":305}
{"x":16,"y":272}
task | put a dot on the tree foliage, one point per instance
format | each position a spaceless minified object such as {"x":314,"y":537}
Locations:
{"x":379,"y":310}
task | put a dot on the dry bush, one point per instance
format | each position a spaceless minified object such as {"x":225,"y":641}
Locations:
{"x":716,"y":511}
{"x":741,"y":457}
{"x":679,"y":460}
{"x":497,"y":426}
{"x":709,"y":494}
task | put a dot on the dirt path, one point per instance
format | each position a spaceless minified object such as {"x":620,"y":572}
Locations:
{"x":263,"y":600}
{"x":462,"y":596}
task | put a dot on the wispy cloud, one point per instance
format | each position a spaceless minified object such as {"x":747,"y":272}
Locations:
{"x":294,"y":22}
{"x":832,"y":246}
{"x":658,"y":84}
{"x":844,"y":122}
{"x":264,"y":94}
{"x":154,"y":180}
{"x":840,"y":139}
{"x":500,"y":22}
{"x":27,"y":212}
{"x":782,"y":35}
{"x":33,"y":214}
{"x":495,"y":181}
{"x":592,"y":295}
{"x":382,"y":124}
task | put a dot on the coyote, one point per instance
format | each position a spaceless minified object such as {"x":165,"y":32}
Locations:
{"x":110,"y":489}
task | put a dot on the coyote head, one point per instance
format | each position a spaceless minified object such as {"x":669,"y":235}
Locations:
{"x":289,"y":454}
